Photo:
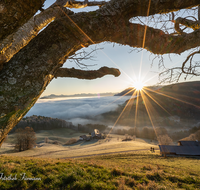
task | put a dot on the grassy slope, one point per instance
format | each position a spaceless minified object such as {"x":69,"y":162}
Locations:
{"x":176,"y":99}
{"x":77,"y":149}
{"x":143,"y":170}
{"x":81,"y":149}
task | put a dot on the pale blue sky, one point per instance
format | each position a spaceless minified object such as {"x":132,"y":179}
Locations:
{"x":118,"y":57}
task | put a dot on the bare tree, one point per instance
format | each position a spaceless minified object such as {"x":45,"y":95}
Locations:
{"x":25,"y":139}
{"x":164,"y":140}
{"x":30,"y":59}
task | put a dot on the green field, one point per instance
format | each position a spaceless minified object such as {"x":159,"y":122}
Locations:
{"x":141,"y":170}
{"x":72,"y":167}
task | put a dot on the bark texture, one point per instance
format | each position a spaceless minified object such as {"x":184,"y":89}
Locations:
{"x":14,"y":14}
{"x":17,"y":40}
{"x":25,"y":76}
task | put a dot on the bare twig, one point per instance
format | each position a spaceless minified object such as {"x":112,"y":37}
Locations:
{"x":83,"y":55}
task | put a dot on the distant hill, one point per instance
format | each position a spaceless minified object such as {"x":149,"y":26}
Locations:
{"x":52,"y":96}
{"x":181,"y":99}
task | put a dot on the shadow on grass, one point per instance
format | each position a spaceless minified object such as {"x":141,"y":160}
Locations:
{"x":83,"y":143}
{"x":8,"y":152}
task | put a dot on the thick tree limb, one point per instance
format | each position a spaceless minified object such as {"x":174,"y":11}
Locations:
{"x":81,"y":74}
{"x":130,"y":8}
{"x":119,"y":31}
{"x":16,"y":41}
{"x":13,"y":14}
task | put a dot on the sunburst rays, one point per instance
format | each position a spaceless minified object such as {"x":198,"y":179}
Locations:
{"x":152,"y":101}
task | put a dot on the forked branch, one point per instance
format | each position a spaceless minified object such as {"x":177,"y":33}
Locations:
{"x":186,"y":22}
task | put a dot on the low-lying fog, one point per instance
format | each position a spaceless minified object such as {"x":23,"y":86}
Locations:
{"x":77,"y":110}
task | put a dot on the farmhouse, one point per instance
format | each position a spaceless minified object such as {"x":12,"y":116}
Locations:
{"x":185,"y":148}
{"x":96,"y":134}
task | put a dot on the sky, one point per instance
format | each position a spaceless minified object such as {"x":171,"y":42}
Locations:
{"x":112,"y":55}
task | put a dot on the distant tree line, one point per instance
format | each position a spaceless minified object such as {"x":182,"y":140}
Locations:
{"x":145,"y":132}
{"x":150,"y":133}
{"x":41,"y":123}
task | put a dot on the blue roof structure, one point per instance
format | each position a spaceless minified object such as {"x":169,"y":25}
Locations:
{"x":189,"y":143}
{"x":191,"y":148}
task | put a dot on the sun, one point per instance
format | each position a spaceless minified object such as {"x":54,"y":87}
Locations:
{"x":138,"y":85}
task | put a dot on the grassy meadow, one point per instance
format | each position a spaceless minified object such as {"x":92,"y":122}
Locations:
{"x":139,"y":170}
{"x":112,"y":144}
{"x":117,"y":165}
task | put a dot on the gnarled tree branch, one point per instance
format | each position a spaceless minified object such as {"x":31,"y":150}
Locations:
{"x":81,"y":74}
{"x":13,"y":43}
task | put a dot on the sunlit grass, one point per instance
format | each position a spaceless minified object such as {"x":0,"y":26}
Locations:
{"x":142,"y":170}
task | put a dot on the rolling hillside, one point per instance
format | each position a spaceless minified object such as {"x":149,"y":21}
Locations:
{"x":181,"y":99}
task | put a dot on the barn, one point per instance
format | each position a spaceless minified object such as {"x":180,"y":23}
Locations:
{"x":184,"y":148}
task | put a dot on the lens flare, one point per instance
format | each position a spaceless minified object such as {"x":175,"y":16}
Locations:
{"x":138,"y":85}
